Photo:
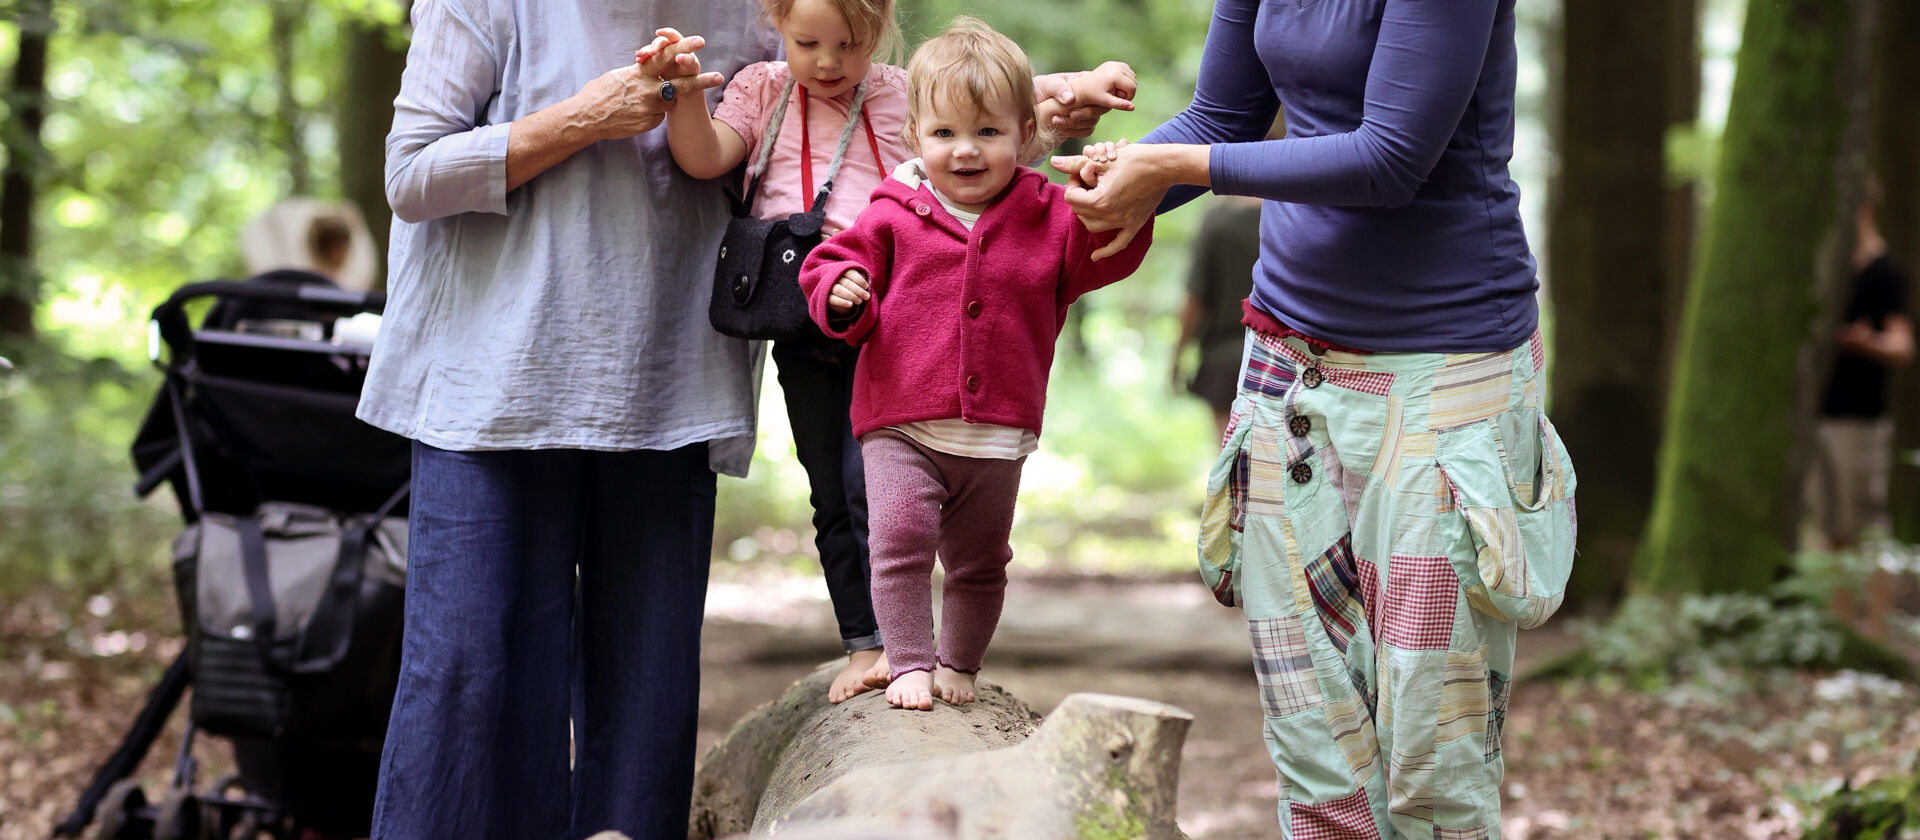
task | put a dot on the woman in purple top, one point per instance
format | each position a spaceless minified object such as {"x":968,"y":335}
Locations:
{"x":1390,"y":503}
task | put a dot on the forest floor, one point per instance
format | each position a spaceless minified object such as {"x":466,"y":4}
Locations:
{"x":1744,"y":756}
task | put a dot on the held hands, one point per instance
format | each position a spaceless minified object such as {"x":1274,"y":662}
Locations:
{"x":629,"y":100}
{"x":849,"y":291}
{"x":1072,"y":103}
{"x":1110,"y":187}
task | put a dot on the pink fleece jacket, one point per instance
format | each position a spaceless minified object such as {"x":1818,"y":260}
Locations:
{"x":961,"y":323}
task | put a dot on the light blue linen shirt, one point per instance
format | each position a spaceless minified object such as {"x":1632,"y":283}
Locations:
{"x":572,"y":311}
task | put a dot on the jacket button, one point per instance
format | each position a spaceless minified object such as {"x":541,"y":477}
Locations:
{"x":973,"y":383}
{"x":973,"y":309}
{"x":1299,"y":425}
{"x":1301,"y":472}
{"x":922,"y":209}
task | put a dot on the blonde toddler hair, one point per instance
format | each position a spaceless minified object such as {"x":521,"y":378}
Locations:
{"x":971,"y":63}
{"x":871,"y":22}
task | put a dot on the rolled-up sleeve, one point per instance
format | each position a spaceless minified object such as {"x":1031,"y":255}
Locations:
{"x":441,"y":159}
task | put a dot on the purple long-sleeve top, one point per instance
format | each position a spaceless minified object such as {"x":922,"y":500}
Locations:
{"x":1391,"y":222}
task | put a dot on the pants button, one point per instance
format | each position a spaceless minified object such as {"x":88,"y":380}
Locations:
{"x":1299,"y":425}
{"x":1312,"y":376}
{"x":1301,"y":472}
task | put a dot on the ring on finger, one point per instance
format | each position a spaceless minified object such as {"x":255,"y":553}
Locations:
{"x":668,"y":91}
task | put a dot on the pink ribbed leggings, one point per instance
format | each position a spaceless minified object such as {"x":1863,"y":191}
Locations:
{"x":920,"y":502}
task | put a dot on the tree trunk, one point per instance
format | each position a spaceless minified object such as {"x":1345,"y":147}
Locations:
{"x":27,"y":96}
{"x":372,"y":80}
{"x":1896,"y":159}
{"x":1100,"y":766}
{"x":1759,"y":313}
{"x":1620,"y":241}
{"x":287,"y":14}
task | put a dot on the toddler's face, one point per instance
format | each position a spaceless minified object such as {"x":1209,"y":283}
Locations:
{"x":820,"y":49}
{"x":971,"y":153}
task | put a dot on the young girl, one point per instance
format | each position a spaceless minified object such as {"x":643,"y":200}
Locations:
{"x":831,"y":47}
{"x":955,"y":281}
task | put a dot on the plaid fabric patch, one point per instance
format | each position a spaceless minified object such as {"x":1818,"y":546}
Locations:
{"x":1351,"y":722}
{"x":1539,"y":350}
{"x":1463,"y":696}
{"x":1346,"y":818}
{"x":1499,"y":689}
{"x":1367,"y":578}
{"x":1332,"y":581}
{"x":1374,"y":382}
{"x":1411,"y":783}
{"x":1475,"y":833}
{"x":1267,"y":373}
{"x":1285,"y":668}
{"x":1422,"y":594}
{"x":1470,"y":388}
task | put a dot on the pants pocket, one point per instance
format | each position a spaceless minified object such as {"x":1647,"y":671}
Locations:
{"x":1223,"y":515}
{"x":1512,"y":482}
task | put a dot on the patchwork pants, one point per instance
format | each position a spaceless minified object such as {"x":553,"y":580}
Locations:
{"x":1387,"y":521}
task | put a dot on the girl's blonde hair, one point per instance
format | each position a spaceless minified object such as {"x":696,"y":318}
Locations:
{"x":871,"y":22}
{"x":971,"y":63}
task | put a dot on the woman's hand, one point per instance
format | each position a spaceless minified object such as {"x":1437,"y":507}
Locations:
{"x":849,"y":291}
{"x":628,"y":100}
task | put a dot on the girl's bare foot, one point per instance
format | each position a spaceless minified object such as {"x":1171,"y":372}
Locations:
{"x":913,"y":690}
{"x":852,"y":679}
{"x":955,"y":687}
{"x":880,"y":674}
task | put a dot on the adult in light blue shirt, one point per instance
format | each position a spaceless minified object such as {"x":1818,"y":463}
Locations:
{"x":547,"y":349}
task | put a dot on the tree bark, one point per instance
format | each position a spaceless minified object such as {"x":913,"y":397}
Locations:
{"x":1620,"y":241}
{"x":1896,"y":159}
{"x":1099,"y":767}
{"x":27,"y":96}
{"x":372,"y":80}
{"x":287,"y":14}
{"x":1758,"y":318}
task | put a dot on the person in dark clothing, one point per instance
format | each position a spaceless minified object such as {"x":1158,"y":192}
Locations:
{"x":1853,"y":440}
{"x":1224,"y":253}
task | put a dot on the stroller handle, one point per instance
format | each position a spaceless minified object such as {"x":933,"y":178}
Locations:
{"x":169,"y":319}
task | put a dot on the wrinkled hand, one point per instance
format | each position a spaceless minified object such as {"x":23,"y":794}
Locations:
{"x":849,"y":291}
{"x":626,"y":101}
{"x":1119,"y":193}
{"x":1073,"y":103}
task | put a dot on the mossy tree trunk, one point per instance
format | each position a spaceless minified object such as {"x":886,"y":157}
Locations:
{"x":1751,"y":352}
{"x":26,"y":97}
{"x":1620,"y":233}
{"x":374,"y":57}
{"x":1896,"y":159}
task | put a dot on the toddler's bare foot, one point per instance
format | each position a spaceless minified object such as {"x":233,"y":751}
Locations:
{"x":913,"y":690}
{"x":852,"y":679}
{"x":880,"y":674}
{"x":953,"y":686}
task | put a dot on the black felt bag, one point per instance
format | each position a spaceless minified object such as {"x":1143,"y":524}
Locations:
{"x":756,"y":279}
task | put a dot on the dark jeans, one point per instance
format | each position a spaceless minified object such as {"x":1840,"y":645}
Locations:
{"x":818,"y":383}
{"x":502,"y":647}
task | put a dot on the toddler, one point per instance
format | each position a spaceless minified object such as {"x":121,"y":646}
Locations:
{"x":955,"y":282}
{"x":831,"y":48}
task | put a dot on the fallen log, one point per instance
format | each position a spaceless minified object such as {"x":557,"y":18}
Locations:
{"x":1099,"y":767}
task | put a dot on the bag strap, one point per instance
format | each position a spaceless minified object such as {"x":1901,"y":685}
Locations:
{"x":767,"y":138}
{"x":330,"y":630}
{"x":253,"y":563}
{"x":854,"y":114}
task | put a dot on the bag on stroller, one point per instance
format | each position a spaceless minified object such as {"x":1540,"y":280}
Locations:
{"x":290,"y":571}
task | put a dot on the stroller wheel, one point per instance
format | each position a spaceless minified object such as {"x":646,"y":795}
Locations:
{"x":178,"y":818}
{"x":115,"y":820}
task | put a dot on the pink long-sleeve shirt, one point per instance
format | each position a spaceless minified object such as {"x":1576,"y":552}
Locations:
{"x":962,"y":324}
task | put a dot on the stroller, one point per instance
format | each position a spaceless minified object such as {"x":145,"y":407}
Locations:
{"x":290,"y":571}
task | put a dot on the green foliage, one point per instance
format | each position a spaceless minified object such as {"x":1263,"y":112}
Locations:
{"x":1886,"y":808}
{"x":1656,"y":640}
{"x":67,"y":515}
